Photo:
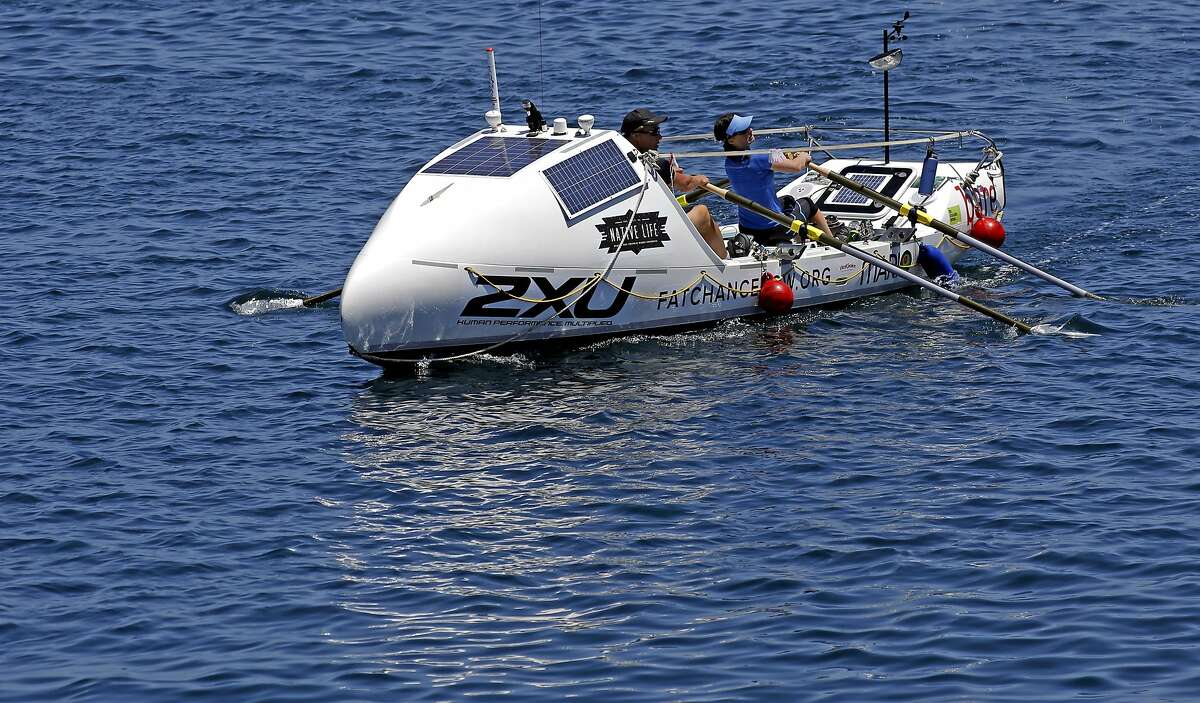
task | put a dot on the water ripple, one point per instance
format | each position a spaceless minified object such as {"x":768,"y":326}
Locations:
{"x":892,"y":499}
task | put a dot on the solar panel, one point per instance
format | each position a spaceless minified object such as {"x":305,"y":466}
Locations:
{"x":888,"y":180}
{"x":848,"y":197}
{"x":591,"y":176}
{"x":499,"y":157}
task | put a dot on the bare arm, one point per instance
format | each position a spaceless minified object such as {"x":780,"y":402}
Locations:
{"x":790,"y":162}
{"x":686,"y":182}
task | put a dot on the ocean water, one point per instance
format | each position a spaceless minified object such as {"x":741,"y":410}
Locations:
{"x":204,"y":497}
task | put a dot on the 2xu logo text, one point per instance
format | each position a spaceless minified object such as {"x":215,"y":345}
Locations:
{"x":498,"y":303}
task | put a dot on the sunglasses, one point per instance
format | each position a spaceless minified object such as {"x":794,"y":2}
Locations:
{"x":652,"y":131}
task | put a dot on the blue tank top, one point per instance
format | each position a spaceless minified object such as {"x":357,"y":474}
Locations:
{"x":753,"y":178}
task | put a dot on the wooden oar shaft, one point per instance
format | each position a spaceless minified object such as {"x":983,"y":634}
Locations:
{"x":948,"y":230}
{"x":317,"y":299}
{"x":820,"y":237}
{"x":693,"y":195}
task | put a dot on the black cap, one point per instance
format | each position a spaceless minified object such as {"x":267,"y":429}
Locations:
{"x":640,"y":120}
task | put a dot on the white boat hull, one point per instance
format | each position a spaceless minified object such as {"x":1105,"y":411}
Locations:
{"x":460,"y":262}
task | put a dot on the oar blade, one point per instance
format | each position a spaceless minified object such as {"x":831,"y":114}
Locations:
{"x":318,"y":299}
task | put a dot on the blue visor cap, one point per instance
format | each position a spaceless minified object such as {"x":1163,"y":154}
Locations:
{"x":738,"y":124}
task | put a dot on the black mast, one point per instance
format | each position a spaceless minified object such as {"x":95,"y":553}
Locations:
{"x":885,"y":62}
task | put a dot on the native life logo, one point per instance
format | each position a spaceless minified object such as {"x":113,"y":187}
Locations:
{"x":648,"y":231}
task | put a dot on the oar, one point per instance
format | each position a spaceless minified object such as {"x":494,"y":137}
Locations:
{"x":316,"y":299}
{"x":948,"y":230}
{"x":820,"y":237}
{"x":693,"y":195}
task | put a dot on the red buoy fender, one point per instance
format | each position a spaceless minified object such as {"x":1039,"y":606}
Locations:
{"x":989,"y":231}
{"x":775,"y":296}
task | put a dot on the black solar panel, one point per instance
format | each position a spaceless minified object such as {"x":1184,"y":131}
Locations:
{"x":849,"y":197}
{"x":888,"y":180}
{"x":494,"y":156}
{"x":591,"y":176}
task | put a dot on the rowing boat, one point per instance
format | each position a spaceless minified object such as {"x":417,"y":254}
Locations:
{"x":514,"y":236}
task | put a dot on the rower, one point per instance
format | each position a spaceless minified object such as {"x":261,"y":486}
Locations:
{"x":641,"y":128}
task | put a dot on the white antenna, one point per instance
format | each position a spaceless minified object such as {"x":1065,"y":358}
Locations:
{"x":495,"y":84}
{"x":494,"y":119}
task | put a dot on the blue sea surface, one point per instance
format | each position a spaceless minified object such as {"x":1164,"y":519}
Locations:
{"x":204,"y":497}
